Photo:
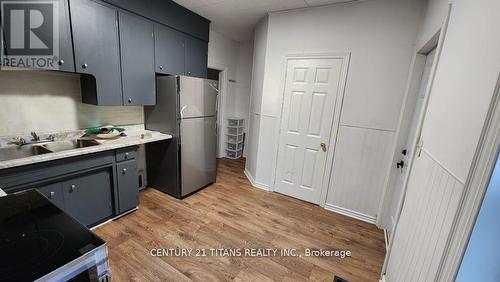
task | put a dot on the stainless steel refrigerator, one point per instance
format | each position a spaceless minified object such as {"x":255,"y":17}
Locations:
{"x":186,"y":108}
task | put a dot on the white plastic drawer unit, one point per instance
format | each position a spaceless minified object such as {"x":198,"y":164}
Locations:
{"x":235,"y":122}
{"x":235,"y":130}
{"x":234,"y":147}
{"x":234,"y":139}
{"x":234,"y":154}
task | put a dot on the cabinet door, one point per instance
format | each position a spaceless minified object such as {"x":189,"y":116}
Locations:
{"x":196,"y":57}
{"x":169,"y":50}
{"x":65,"y":60}
{"x":95,"y":38}
{"x":88,"y":198}
{"x":54,"y":193}
{"x":128,"y":185}
{"x":60,"y":53}
{"x":137,"y":59}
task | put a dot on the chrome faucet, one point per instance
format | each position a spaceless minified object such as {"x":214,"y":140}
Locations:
{"x":35,"y":137}
{"x":19,"y":141}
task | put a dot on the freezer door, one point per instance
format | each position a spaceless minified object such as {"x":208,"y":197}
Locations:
{"x":198,"y":152}
{"x":198,"y":97}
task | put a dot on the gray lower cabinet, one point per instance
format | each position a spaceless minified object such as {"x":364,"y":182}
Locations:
{"x":89,"y":198}
{"x":92,"y":188}
{"x":128,"y":185}
{"x":196,"y":58}
{"x":54,"y":193}
{"x":97,"y":55}
{"x":169,"y":50}
{"x":137,"y":60}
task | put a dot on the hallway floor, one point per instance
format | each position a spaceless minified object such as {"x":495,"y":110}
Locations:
{"x":231,"y":214}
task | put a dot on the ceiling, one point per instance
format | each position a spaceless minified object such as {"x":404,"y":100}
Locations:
{"x":236,"y":18}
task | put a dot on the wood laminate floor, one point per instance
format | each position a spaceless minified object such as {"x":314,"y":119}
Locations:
{"x":231,"y":214}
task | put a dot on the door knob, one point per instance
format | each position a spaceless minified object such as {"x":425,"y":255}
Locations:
{"x":124,"y":171}
{"x":85,"y":66}
{"x":61,"y":62}
{"x":72,"y":188}
{"x":323,"y":147}
{"x":130,"y":100}
{"x":161,"y":67}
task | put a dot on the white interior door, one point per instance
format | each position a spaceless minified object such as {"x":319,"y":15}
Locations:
{"x":411,"y":141}
{"x":311,"y":90}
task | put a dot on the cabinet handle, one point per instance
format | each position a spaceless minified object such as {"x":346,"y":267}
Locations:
{"x":189,"y":73}
{"x":161,"y":67}
{"x":85,"y":66}
{"x":124,"y":170}
{"x":72,"y":188}
{"x":51,"y":195}
{"x":126,"y":155}
{"x":130,"y":100}
{"x":61,"y":62}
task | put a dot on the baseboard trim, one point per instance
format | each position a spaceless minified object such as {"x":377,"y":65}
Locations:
{"x":386,"y":240}
{"x":350,"y":213}
{"x":255,"y":183}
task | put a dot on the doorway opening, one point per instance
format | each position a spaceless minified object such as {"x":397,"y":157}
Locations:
{"x":407,"y":142}
{"x":218,"y":75}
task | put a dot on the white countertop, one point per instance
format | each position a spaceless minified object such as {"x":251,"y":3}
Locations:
{"x":132,"y":138}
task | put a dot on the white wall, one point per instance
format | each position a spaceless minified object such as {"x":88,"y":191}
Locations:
{"x":258,"y":65}
{"x":380,"y":35}
{"x":236,"y":58}
{"x":463,"y":87}
{"x":48,"y":102}
{"x":465,"y":79}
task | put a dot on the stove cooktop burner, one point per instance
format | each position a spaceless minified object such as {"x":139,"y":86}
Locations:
{"x":32,"y":248}
{"x":37,"y":238}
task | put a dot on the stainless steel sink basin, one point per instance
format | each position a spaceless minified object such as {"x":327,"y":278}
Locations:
{"x":69,"y":145}
{"x":18,"y":152}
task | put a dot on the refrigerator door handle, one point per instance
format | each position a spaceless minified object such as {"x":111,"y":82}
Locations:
{"x":182,"y":111}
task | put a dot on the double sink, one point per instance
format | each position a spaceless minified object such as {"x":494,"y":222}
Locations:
{"x":29,"y":150}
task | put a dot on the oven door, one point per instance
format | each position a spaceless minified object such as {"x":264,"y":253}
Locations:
{"x":92,"y":266}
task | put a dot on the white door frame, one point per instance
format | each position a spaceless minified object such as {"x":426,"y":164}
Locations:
{"x":345,"y":57}
{"x":442,"y":34}
{"x":221,"y":112}
{"x":412,"y":90}
{"x":475,"y":188}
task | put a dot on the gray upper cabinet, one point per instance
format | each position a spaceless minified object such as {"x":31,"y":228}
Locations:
{"x":169,"y":50}
{"x":196,"y":58}
{"x":61,"y":58}
{"x":137,"y":60}
{"x":97,"y":57}
{"x":65,"y":60}
{"x":168,"y":13}
{"x":89,"y":198}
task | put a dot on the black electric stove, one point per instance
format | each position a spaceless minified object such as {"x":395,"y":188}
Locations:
{"x":38,"y":240}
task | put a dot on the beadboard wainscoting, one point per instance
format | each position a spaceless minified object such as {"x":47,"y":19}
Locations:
{"x":432,"y":200}
{"x":358,"y":174}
